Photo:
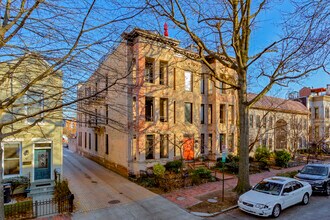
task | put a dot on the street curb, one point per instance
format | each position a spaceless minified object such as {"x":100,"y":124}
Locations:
{"x":203,"y":214}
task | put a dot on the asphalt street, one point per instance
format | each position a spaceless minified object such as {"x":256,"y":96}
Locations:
{"x":317,"y":209}
{"x":102,"y":194}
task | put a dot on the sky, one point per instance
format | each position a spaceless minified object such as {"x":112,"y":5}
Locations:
{"x":268,"y":31}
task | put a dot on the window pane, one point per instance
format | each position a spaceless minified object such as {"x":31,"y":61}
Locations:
{"x":149,"y":104}
{"x":11,"y":167}
{"x":187,"y":81}
{"x":202,"y":114}
{"x":11,"y":159}
{"x":188,"y":112}
{"x":163,"y":146}
{"x":150,"y":147}
{"x":149,"y":75}
{"x":11,"y":151}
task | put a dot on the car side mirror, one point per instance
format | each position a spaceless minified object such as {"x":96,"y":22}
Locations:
{"x":285,"y":194}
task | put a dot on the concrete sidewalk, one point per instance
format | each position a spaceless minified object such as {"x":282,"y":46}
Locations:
{"x":103,"y":194}
{"x":188,"y":196}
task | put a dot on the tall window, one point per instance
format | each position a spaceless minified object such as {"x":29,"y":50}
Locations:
{"x":80,"y":139}
{"x":222,"y":142}
{"x":316,"y":113}
{"x":210,"y":143}
{"x":149,"y":146}
{"x":271,"y":122}
{"x":85,"y":139}
{"x":96,"y":142}
{"x":34,"y":104}
{"x":107,"y":144}
{"x":210,"y":114}
{"x":188,"y":112}
{"x":174,"y":78}
{"x":134,"y":108}
{"x":164,"y":146}
{"x":326,"y":112}
{"x":149,"y":71}
{"x":251,"y":121}
{"x":221,"y":88}
{"x":163,"y":73}
{"x":149,"y":108}
{"x":174,"y":145}
{"x":202,"y":84}
{"x":231,"y":142}
{"x":264,"y":121}
{"x":202,"y":113}
{"x":202,"y":143}
{"x":96,"y":116}
{"x":163,"y":109}
{"x":188,"y":81}
{"x":107,"y":114}
{"x":89,"y":141}
{"x":174,"y":112}
{"x":96,"y":87}
{"x":222,"y":113}
{"x":11,"y":159}
{"x":210,"y":86}
{"x":231,"y":114}
{"x":258,"y":123}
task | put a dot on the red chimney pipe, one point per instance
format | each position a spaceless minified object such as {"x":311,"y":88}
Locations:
{"x":166,"y":29}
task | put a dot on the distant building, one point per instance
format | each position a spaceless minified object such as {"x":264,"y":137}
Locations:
{"x":70,"y":129}
{"x":278,"y":124}
{"x":317,"y":100}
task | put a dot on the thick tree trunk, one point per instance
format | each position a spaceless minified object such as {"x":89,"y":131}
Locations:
{"x":243,"y":183}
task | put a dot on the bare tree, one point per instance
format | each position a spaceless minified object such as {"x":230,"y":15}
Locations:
{"x":62,"y":40}
{"x":222,"y":30}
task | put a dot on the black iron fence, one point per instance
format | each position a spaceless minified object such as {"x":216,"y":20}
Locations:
{"x":30,"y":209}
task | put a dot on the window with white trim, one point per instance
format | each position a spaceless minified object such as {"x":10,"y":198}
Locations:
{"x":11,"y":159}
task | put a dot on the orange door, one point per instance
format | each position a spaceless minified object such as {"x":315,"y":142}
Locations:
{"x":188,"y":148}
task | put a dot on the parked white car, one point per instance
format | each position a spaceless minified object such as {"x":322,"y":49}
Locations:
{"x":272,"y":195}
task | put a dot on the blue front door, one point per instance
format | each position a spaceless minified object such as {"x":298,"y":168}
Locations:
{"x":41,"y":164}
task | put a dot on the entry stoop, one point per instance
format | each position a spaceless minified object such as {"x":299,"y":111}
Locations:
{"x":41,"y":188}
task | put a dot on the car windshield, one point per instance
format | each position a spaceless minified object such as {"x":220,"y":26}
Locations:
{"x":268,"y":188}
{"x":315,"y":170}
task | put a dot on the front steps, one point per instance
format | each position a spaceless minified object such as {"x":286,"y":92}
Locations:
{"x":41,"y":188}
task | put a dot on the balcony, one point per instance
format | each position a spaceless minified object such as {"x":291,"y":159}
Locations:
{"x":96,"y":100}
{"x":96,"y":123}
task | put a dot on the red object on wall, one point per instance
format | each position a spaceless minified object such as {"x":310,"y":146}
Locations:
{"x":166,"y":29}
{"x":188,"y":148}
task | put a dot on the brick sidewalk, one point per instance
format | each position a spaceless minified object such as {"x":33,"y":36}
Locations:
{"x":186,"y":197}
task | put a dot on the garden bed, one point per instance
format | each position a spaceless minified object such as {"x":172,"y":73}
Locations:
{"x":230,"y":199}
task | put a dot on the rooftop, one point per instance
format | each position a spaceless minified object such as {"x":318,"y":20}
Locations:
{"x":278,"y":104}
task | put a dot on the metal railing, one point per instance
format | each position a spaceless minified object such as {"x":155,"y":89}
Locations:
{"x":30,"y":209}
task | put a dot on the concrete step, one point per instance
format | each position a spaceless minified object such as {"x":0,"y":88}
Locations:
{"x":44,"y":187}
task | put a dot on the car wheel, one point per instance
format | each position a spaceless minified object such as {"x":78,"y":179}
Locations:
{"x":276,"y":211}
{"x":305,"y":199}
{"x":327,"y":189}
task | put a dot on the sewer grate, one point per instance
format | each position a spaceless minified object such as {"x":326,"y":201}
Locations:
{"x":93,"y":181}
{"x":114,"y":202}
